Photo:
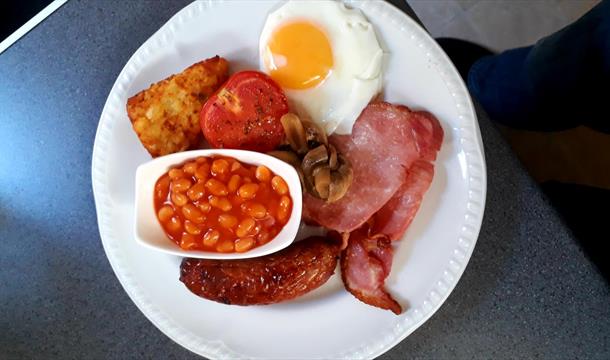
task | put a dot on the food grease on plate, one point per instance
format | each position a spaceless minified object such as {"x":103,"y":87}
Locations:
{"x":364,"y":164}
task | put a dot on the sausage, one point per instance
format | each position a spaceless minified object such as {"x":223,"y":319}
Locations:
{"x":285,"y":275}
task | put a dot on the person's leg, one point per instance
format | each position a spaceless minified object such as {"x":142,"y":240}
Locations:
{"x":463,"y":53}
{"x":560,"y":82}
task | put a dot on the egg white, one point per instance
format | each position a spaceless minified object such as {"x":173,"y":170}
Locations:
{"x":356,"y":77}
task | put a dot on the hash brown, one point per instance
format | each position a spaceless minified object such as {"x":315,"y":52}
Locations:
{"x":166,"y":115}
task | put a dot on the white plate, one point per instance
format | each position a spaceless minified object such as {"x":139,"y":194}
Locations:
{"x":329,"y":322}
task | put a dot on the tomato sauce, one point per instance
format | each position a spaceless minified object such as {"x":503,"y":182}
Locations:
{"x":221,"y":204}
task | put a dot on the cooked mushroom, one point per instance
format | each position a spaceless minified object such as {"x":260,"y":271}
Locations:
{"x":340,"y":180}
{"x":322,"y":181}
{"x":332,"y":157}
{"x":314,"y":134}
{"x":313,"y":158}
{"x":324,"y":173}
{"x":295,"y":133}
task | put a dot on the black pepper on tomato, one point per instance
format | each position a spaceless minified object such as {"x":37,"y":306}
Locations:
{"x":245,"y":113}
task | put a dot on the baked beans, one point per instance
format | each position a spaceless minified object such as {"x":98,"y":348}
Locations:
{"x":221,"y":204}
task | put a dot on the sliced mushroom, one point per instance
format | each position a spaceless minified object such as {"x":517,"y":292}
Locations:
{"x":319,"y":168}
{"x":324,"y":173}
{"x":295,"y":133}
{"x":332,"y":157}
{"x":308,"y":185}
{"x":313,"y":158}
{"x":340,"y":180}
{"x":314,"y":134}
{"x":322,"y":181}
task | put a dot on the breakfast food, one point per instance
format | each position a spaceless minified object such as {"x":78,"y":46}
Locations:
{"x":166,"y":115}
{"x":365,"y":264}
{"x":326,"y":58}
{"x":273,"y":278}
{"x":221,"y":204}
{"x":245,"y":113}
{"x":325,"y":173}
{"x":396,"y":215}
{"x":385,"y":141}
{"x":364,"y":164}
{"x":367,"y":260}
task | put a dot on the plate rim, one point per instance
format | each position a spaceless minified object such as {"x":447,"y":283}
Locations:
{"x":469,"y":137}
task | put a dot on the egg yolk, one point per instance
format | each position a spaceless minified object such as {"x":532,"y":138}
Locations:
{"x":299,"y":55}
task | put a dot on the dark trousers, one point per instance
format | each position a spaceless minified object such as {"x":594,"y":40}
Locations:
{"x":560,"y":82}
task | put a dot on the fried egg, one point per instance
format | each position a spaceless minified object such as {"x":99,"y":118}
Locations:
{"x":326,"y":58}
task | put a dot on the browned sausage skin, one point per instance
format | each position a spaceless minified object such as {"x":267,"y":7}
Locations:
{"x":285,"y":275}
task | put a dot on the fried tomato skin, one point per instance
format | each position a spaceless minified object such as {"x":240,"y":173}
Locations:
{"x":245,"y":113}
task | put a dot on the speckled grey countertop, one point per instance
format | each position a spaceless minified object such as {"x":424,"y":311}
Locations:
{"x":528,"y":291}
